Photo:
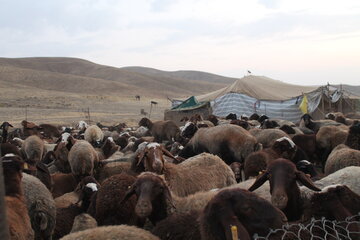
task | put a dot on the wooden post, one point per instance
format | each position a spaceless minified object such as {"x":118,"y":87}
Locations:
{"x":4,"y":228}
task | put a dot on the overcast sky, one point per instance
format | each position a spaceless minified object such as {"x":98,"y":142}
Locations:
{"x":301,"y":41}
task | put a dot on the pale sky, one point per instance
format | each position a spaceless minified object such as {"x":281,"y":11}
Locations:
{"x":306,"y":42}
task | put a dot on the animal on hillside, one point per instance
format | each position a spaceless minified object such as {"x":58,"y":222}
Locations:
{"x":285,"y":193}
{"x":230,"y":142}
{"x":199,"y":173}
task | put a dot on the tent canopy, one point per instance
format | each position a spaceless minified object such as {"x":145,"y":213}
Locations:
{"x":261,"y":88}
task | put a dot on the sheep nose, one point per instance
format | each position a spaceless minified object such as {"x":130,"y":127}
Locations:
{"x":279,"y":201}
{"x":143,"y":208}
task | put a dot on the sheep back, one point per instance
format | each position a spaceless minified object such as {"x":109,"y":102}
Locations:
{"x":82,"y":222}
{"x":164,"y":130}
{"x":119,"y":232}
{"x":267,"y":137}
{"x":93,"y":134}
{"x":231,"y":142}
{"x":40,"y":205}
{"x":341,"y":157}
{"x":202,"y":172}
{"x":33,"y":149}
{"x":82,"y":158}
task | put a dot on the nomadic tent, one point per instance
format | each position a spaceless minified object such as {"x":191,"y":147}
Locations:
{"x":263,"y":95}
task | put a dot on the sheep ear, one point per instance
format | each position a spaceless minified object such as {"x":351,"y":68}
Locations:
{"x":141,"y":157}
{"x":167,"y":153}
{"x":128,"y":194}
{"x":260,"y":180}
{"x":306,"y":181}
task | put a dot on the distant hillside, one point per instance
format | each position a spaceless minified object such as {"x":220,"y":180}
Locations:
{"x":185,"y":75}
{"x":82,"y":76}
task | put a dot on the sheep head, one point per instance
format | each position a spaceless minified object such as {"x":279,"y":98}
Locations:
{"x":154,"y":197}
{"x":285,"y":148}
{"x":5,"y":126}
{"x":240,"y":208}
{"x":13,"y":166}
{"x":282,"y":176}
{"x":236,"y":167}
{"x":145,"y":122}
{"x":151,"y":158}
{"x":109,"y":147}
{"x":307,"y":119}
{"x":189,"y":130}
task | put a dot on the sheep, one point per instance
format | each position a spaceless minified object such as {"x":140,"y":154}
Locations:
{"x":285,"y":193}
{"x":307,"y":143}
{"x":120,"y":232}
{"x":155,"y":201}
{"x":6,"y":148}
{"x":199,"y":173}
{"x":236,"y":167}
{"x":109,"y":208}
{"x":82,"y":222}
{"x":257,"y":161}
{"x":62,"y":183}
{"x":353,"y":137}
{"x":335,"y":202}
{"x":179,"y":227}
{"x":267,"y":137}
{"x":307,"y":121}
{"x":94,"y":135}
{"x":230,"y":142}
{"x":33,"y":150}
{"x":328,"y":137}
{"x":17,"y":215}
{"x":161,"y":130}
{"x":249,"y":213}
{"x":82,"y":159}
{"x":40,"y":205}
{"x":5,"y":127}
{"x":341,"y":156}
{"x":65,"y":216}
{"x":114,"y":168}
{"x":49,"y":131}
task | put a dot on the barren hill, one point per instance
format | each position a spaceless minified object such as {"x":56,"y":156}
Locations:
{"x":58,"y":89}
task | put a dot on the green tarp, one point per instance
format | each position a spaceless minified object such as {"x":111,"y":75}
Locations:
{"x":190,"y":103}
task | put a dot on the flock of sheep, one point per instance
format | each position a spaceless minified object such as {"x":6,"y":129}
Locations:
{"x":210,"y":179}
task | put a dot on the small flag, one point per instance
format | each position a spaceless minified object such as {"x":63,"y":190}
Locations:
{"x":304,"y":105}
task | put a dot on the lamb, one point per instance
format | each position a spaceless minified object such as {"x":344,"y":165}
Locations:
{"x":156,"y":202}
{"x":120,"y":232}
{"x":199,"y":173}
{"x":242,"y":209}
{"x":40,"y":205}
{"x":230,"y":142}
{"x":82,"y":222}
{"x":267,"y":137}
{"x":94,"y":135}
{"x":162,"y":130}
{"x":109,"y":210}
{"x":285,"y":193}
{"x":16,"y":212}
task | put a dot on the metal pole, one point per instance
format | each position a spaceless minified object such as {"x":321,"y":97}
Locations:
{"x":4,"y":228}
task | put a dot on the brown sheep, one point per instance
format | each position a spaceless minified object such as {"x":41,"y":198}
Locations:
{"x":162,"y":130}
{"x":156,"y":201}
{"x":5,"y":127}
{"x":241,"y":208}
{"x":267,"y":137}
{"x":230,"y":142}
{"x":236,"y":167}
{"x":33,"y":150}
{"x":16,"y":211}
{"x":109,"y":208}
{"x":308,"y":122}
{"x":342,"y":156}
{"x":285,"y":193}
{"x":199,"y":173}
{"x":62,"y":183}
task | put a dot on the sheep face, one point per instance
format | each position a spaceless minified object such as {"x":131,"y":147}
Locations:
{"x":269,"y":124}
{"x":285,"y":147}
{"x":236,"y":168}
{"x":282,"y":176}
{"x":239,"y":208}
{"x":307,"y":119}
{"x":189,"y":130}
{"x":109,"y":147}
{"x":153,"y":196}
{"x":151,"y":158}
{"x":5,"y":126}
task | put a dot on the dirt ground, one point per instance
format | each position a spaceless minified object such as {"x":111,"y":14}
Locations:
{"x":68,"y":110}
